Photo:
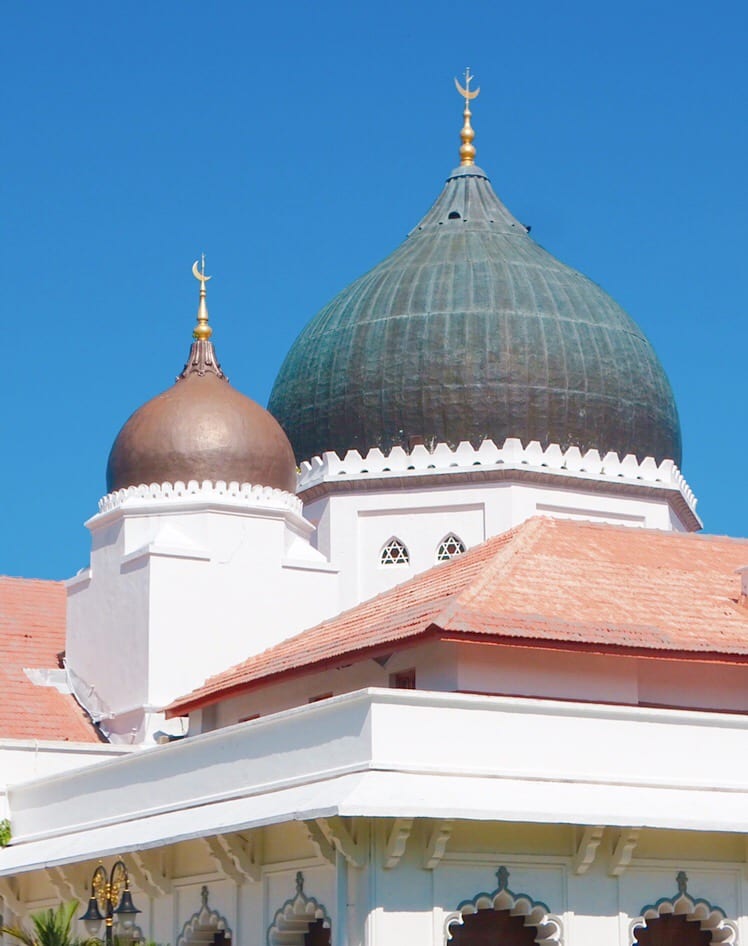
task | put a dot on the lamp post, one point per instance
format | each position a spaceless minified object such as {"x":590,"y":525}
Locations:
{"x":110,"y":900}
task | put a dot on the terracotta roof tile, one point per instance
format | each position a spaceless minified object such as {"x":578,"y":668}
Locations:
{"x":548,"y":581}
{"x":32,"y":634}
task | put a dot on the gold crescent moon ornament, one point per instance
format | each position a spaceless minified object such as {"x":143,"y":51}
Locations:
{"x":202,"y":330}
{"x":466,"y":93}
{"x":197,"y":273}
{"x":467,"y":149}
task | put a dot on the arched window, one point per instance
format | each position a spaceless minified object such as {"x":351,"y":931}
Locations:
{"x":673,"y":930}
{"x":318,"y":934}
{"x":502,"y":918}
{"x":489,"y":927}
{"x":682,"y":921}
{"x":394,"y":553}
{"x":450,"y":547}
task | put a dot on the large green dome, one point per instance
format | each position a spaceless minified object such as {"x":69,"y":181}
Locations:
{"x":468,"y":331}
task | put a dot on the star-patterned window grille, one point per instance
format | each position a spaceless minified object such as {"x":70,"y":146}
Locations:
{"x":449,"y":547}
{"x":394,"y":553}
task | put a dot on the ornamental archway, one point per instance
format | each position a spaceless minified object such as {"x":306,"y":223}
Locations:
{"x":301,"y":921}
{"x":205,"y":927}
{"x":682,"y":921}
{"x":512,"y":919}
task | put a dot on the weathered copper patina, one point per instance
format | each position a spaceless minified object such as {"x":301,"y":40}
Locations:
{"x":470,"y":331}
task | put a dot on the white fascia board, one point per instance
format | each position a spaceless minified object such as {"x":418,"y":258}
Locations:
{"x":396,"y":795}
{"x":390,"y":753}
{"x":301,"y":802}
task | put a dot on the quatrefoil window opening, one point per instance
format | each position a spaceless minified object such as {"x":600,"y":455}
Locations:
{"x":450,"y":547}
{"x":394,"y":553}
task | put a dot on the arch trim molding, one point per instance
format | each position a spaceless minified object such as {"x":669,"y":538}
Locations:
{"x":292,"y":918}
{"x":710,"y":917}
{"x":535,"y":912}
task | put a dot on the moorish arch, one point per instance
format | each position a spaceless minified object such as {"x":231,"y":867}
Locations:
{"x":205,"y":927}
{"x":300,"y":921}
{"x":682,"y":921}
{"x":512,"y":919}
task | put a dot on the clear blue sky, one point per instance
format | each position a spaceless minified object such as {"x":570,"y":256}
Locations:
{"x":296,"y":144}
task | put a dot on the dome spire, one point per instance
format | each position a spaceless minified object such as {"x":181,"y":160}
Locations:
{"x":202,"y":358}
{"x":467,"y":148}
{"x":202,"y":330}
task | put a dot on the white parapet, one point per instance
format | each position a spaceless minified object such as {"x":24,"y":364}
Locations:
{"x":192,"y":491}
{"x":512,"y":454}
{"x":397,"y":754}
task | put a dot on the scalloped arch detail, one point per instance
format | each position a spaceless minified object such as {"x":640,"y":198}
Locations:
{"x":203,"y":920}
{"x":710,"y":917}
{"x":536,"y":913}
{"x":293,"y":918}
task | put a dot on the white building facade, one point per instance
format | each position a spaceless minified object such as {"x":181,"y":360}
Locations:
{"x":439,"y":661}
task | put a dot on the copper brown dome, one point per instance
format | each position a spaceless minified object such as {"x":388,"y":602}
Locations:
{"x":201,"y":429}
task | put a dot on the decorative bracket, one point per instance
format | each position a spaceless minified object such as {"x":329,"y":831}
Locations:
{"x":323,"y":847}
{"x":587,"y":848}
{"x":235,"y":857}
{"x":623,"y":852}
{"x":66,"y":883}
{"x":338,"y":835}
{"x":441,"y":832}
{"x":11,"y":897}
{"x":148,"y":873}
{"x":397,"y":842}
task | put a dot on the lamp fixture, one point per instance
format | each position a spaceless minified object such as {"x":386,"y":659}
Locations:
{"x":110,"y":901}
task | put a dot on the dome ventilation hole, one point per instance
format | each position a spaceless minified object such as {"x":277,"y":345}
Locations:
{"x":450,"y":547}
{"x":454,"y":215}
{"x":394,"y":553}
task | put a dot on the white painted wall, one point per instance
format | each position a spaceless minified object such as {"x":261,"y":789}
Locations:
{"x":504,"y":670}
{"x":24,"y":759}
{"x":182,"y":587}
{"x":357,"y":509}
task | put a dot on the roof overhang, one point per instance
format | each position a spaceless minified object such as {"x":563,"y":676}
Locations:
{"x":394,"y":753}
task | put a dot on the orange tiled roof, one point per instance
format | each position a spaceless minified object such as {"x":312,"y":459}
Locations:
{"x":32,"y":634}
{"x":548,"y":582}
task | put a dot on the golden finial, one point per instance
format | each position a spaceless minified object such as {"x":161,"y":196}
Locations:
{"x":467,"y":149}
{"x":202,"y":330}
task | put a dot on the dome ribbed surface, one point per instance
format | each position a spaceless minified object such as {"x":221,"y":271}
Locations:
{"x":469,"y":331}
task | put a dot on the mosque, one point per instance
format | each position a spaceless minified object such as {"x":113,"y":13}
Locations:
{"x":428,"y":652}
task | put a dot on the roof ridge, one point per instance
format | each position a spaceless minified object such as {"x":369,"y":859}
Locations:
{"x":524,"y":537}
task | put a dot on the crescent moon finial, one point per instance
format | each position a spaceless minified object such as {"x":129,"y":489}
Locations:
{"x":200,"y":273}
{"x":467,"y":149}
{"x":202,"y":330}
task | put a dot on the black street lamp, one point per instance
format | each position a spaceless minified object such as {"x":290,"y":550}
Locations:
{"x":110,"y":899}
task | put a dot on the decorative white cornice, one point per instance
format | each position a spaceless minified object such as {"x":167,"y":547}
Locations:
{"x":219,"y":493}
{"x":443,"y":459}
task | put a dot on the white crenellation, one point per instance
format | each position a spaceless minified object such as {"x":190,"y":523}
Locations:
{"x":219,"y":491}
{"x":445,"y":459}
